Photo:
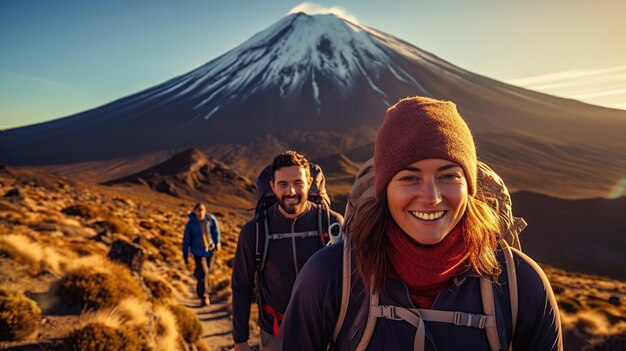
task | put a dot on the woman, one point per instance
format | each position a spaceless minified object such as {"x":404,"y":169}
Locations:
{"x":202,"y":236}
{"x":422,"y":248}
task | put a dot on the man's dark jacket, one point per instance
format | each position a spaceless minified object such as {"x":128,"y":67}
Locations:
{"x":279,"y":273}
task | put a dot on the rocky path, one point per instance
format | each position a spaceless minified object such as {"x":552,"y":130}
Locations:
{"x":216,"y":324}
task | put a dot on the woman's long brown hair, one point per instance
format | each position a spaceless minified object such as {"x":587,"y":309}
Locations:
{"x":481,"y":228}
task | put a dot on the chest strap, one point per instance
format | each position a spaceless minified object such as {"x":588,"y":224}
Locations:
{"x":279,"y":236}
{"x":417,"y":316}
{"x":463,"y":319}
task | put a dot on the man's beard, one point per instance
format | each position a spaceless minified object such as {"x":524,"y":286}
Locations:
{"x":291,"y":208}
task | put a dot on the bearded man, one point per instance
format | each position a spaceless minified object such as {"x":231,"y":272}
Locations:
{"x":296,"y":220}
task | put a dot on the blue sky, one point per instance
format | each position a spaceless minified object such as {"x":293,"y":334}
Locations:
{"x":58,"y":58}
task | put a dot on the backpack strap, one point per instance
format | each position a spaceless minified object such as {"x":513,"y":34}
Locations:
{"x":295,"y":253}
{"x":371,"y":323}
{"x":266,"y":240}
{"x":464,"y":319}
{"x":293,"y":235}
{"x":486,"y":294}
{"x":417,"y":316}
{"x":511,"y":272}
{"x":345,"y":286}
{"x":410,"y":315}
{"x":489,"y":308}
{"x":323,"y":213}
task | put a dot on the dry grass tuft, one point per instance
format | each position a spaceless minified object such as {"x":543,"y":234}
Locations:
{"x":110,"y":317}
{"x":96,"y":286}
{"x":117,"y":225}
{"x":593,"y":323}
{"x":129,"y":312}
{"x":160,"y":289}
{"x":202,"y":346}
{"x":135,"y":311}
{"x":167,"y":329}
{"x":8,"y":207}
{"x":189,"y":326}
{"x":37,"y":256}
{"x":82,"y":211}
{"x":19,"y":315}
{"x":100,"y":337}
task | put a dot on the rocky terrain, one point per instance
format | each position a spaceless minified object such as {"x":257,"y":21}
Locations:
{"x":52,"y":227}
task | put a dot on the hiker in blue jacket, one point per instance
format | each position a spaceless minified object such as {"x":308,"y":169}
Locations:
{"x":202,"y":236}
{"x":423,"y":257}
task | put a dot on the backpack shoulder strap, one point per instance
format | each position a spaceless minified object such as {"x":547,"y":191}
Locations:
{"x":371,"y":323}
{"x":345,"y":286}
{"x":262,"y":239}
{"x":486,"y":293}
{"x":489,"y":308}
{"x":512,"y":277}
{"x":323,"y":223}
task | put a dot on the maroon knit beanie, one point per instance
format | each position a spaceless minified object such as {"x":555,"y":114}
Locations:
{"x":420,"y":128}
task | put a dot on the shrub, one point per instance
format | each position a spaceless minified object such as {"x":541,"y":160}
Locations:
{"x":202,"y":346}
{"x":160,"y":290}
{"x":167,"y":248}
{"x":166,"y":329}
{"x":189,"y":326}
{"x":31,"y":253}
{"x":19,"y":315}
{"x":99,"y":337}
{"x":7,"y":206}
{"x":87,"y":287}
{"x":113,"y":224}
{"x":569,"y":304}
{"x":80,"y":211}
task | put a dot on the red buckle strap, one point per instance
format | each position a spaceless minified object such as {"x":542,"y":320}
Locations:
{"x":325,"y":235}
{"x":278,"y":317}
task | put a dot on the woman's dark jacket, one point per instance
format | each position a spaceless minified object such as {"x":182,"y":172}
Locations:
{"x":315,"y":303}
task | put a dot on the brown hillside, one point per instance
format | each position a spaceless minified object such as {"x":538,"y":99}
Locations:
{"x":192,"y":174}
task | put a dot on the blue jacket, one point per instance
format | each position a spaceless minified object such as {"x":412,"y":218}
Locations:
{"x":193,"y":235}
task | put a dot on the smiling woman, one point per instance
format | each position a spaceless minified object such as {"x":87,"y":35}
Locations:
{"x":428,"y":256}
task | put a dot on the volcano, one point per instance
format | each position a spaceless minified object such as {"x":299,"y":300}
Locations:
{"x":321,"y":84}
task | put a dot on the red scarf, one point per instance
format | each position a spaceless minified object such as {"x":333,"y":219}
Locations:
{"x":427,"y":269}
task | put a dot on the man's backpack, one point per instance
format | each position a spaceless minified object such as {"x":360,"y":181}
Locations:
{"x":491,"y":189}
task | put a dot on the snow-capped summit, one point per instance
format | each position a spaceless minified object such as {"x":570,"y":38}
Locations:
{"x":297,"y":50}
{"x":321,"y":84}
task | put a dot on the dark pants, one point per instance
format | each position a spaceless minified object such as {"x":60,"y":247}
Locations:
{"x":201,"y":272}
